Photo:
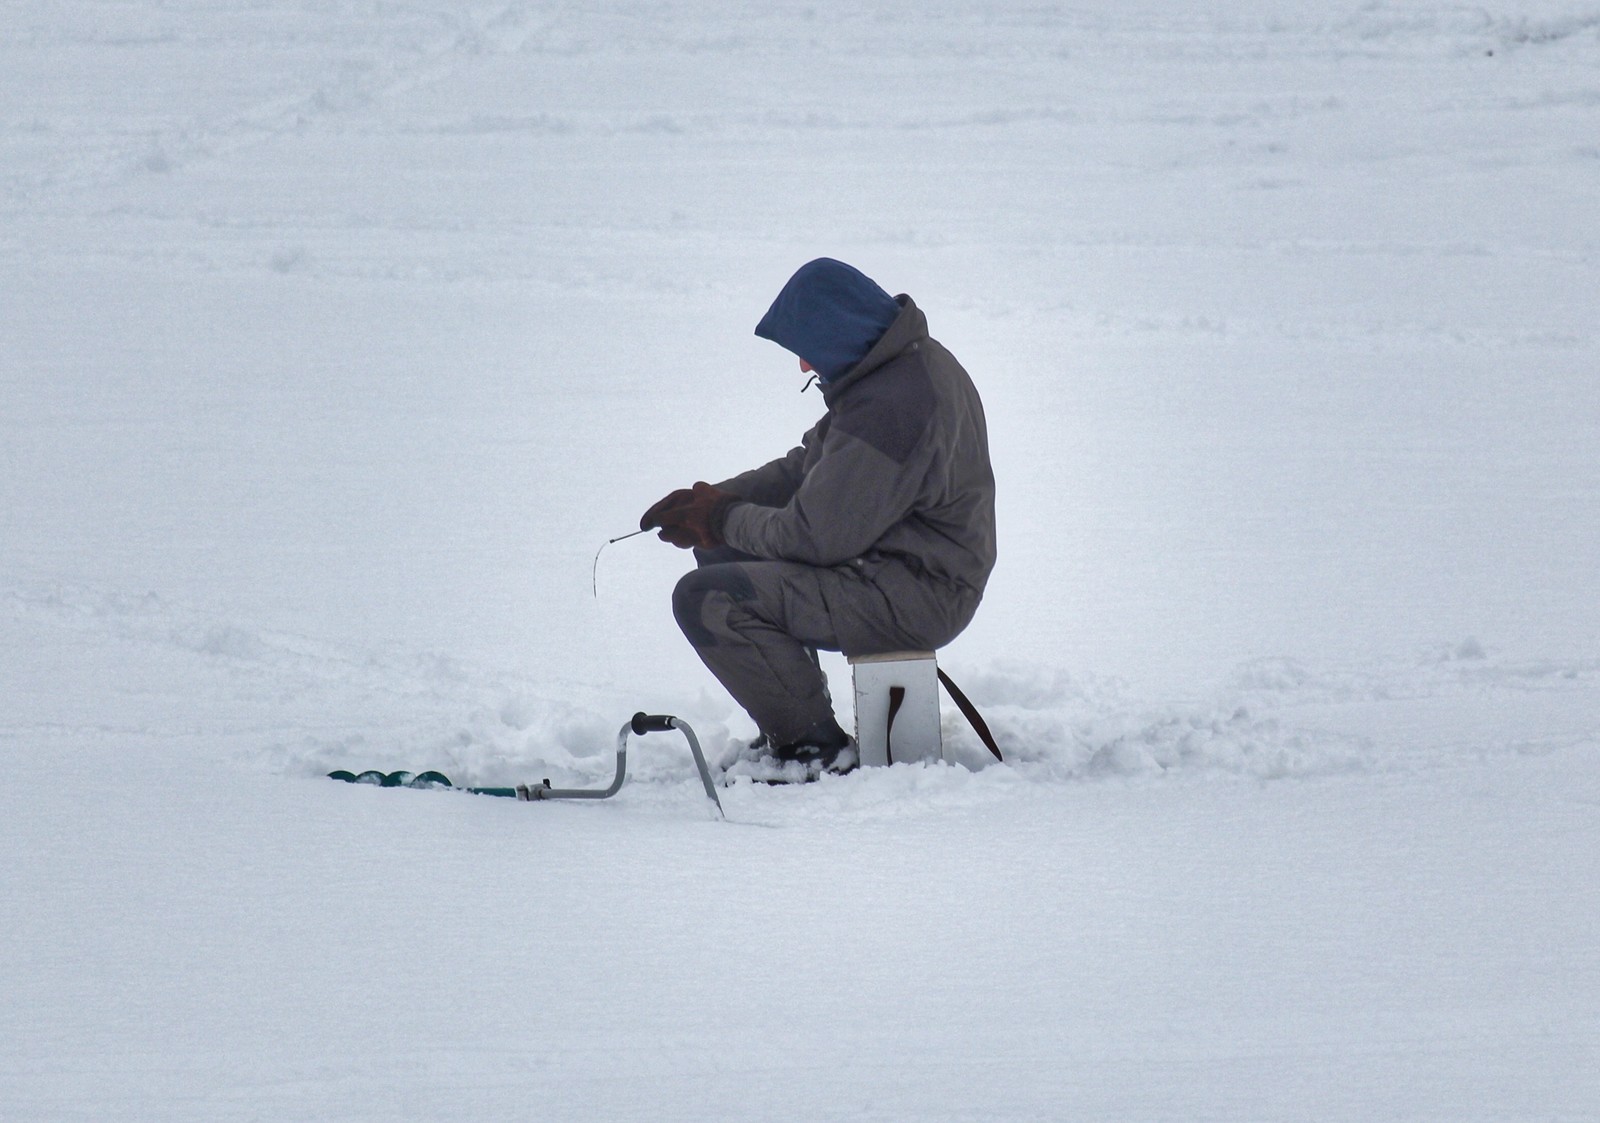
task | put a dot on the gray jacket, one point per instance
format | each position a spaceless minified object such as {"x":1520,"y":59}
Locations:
{"x":894,"y":481}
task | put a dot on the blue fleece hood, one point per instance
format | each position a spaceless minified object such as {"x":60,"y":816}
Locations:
{"x":830,"y":314}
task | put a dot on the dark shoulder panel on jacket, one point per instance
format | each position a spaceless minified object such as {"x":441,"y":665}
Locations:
{"x":890,"y":408}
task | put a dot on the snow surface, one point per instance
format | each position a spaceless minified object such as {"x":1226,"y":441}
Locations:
{"x":336,"y":337}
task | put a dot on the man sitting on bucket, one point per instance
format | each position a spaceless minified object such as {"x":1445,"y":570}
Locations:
{"x":876,"y":534}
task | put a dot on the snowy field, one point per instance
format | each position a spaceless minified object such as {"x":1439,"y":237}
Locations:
{"x":336,"y":337}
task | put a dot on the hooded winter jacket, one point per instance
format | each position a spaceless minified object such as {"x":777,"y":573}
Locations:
{"x":830,"y":314}
{"x":893,"y":481}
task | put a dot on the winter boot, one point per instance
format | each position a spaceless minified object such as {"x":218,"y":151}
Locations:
{"x":823,"y":748}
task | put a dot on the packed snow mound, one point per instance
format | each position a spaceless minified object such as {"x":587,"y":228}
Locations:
{"x":295,"y":706}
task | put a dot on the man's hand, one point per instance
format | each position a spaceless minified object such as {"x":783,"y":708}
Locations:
{"x":653,"y":517}
{"x":694,"y":521}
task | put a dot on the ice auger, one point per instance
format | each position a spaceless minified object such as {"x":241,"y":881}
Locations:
{"x":639,"y":725}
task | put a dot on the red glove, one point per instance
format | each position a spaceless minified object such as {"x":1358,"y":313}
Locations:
{"x":696,"y":521}
{"x":652,"y":518}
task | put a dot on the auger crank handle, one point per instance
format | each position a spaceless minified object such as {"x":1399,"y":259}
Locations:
{"x":652,"y":723}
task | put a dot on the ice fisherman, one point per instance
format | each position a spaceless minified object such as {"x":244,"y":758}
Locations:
{"x":875,"y":534}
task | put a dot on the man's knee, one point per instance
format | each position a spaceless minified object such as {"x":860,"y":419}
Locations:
{"x":720,"y":555}
{"x":695,"y":599}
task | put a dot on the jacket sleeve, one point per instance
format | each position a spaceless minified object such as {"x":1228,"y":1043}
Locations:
{"x":850,"y":498}
{"x":774,"y":483}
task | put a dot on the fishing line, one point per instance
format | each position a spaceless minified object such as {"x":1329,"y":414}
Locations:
{"x":594,"y":576}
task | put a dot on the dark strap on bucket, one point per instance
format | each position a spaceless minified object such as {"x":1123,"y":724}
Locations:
{"x":897,"y":697}
{"x":970,"y":712}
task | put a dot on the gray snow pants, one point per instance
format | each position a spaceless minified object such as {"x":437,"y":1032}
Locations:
{"x":756,"y":625}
